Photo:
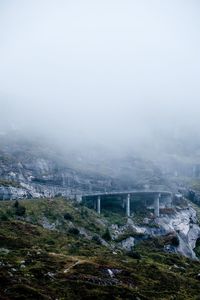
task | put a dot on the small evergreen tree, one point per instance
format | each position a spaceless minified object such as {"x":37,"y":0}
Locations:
{"x":16,"y":204}
{"x":73,"y":230}
{"x":19,"y":209}
{"x":107,"y":236}
{"x":68,"y":216}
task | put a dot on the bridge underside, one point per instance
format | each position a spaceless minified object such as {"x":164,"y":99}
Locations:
{"x":129,"y":203}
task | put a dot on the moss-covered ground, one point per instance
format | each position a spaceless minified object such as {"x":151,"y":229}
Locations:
{"x":59,"y":263}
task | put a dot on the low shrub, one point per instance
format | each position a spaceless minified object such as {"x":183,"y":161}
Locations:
{"x":134,"y":254}
{"x":73,"y":230}
{"x":19,"y":209}
{"x":96,"y":239}
{"x":68,"y":217}
{"x":107,"y":236}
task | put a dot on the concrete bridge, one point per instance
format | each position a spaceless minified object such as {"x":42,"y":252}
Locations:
{"x":153,"y":199}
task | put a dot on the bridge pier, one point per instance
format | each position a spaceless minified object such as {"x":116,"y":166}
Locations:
{"x":157,"y":206}
{"x":169,"y":201}
{"x":99,"y":205}
{"x":160,"y":199}
{"x":128,"y":205}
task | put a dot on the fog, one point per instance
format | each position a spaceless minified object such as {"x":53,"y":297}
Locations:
{"x":108,"y":72}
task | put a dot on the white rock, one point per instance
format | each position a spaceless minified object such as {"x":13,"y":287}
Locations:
{"x":110,"y":272}
{"x":128,"y":243}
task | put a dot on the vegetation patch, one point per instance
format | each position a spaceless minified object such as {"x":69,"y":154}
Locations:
{"x":38,"y":263}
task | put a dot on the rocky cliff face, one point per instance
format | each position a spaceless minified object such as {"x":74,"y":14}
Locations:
{"x":38,"y":177}
{"x":31,"y":169}
{"x":180,"y":231}
{"x":184,"y":224}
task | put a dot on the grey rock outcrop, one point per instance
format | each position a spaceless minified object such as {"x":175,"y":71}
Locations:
{"x":128,"y":243}
{"x":182,"y":224}
{"x":37,"y":170}
{"x":12,"y":193}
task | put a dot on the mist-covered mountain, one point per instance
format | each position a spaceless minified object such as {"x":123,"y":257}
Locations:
{"x":30,"y":167}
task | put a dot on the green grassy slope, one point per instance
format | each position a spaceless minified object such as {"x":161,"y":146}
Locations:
{"x":39,"y":263}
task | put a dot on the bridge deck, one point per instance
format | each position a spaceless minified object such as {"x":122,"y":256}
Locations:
{"x":124,"y":193}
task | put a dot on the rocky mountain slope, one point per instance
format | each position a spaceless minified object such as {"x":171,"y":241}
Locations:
{"x":29,"y":168}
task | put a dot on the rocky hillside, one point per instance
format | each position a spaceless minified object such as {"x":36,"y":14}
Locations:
{"x":58,"y":249}
{"x":31,"y":168}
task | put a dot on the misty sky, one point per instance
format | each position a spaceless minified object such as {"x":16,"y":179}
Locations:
{"x":104,"y":70}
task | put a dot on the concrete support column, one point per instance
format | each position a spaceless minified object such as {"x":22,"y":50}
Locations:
{"x":79,"y":198}
{"x":99,"y":205}
{"x":128,"y":205}
{"x":157,"y":206}
{"x":169,"y":201}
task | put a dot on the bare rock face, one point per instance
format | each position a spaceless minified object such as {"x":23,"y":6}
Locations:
{"x":128,"y":243}
{"x":30,"y":174}
{"x":179,"y":229}
{"x":47,"y":225}
{"x":9,"y":193}
{"x":184,"y":223}
{"x":41,"y":170}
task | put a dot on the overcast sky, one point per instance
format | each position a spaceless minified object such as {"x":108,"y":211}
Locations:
{"x":104,"y":70}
